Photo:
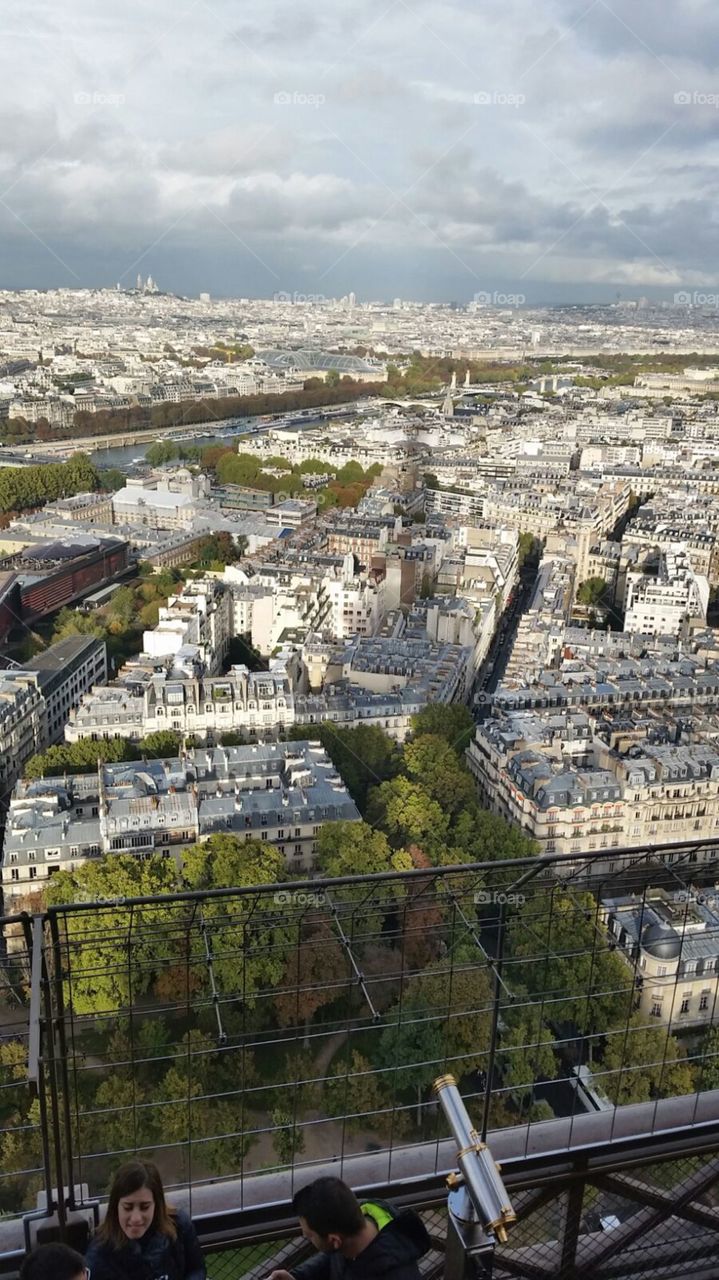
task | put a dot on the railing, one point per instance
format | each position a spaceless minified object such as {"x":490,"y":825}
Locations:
{"x":248,"y":1039}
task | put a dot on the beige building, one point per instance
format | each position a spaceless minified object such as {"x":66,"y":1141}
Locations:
{"x":550,"y":774}
{"x":671,"y":942}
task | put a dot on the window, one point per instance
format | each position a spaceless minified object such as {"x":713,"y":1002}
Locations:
{"x":662,"y":971}
{"x":33,"y":873}
{"x":704,"y":1000}
{"x":685,"y":1006}
{"x":15,"y":874}
{"x":657,"y":1009}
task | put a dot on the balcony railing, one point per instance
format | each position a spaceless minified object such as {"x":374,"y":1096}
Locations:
{"x":247,"y":1039}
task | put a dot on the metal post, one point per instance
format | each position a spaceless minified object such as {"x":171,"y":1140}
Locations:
{"x":469,"y":1252}
{"x":35,"y":1059}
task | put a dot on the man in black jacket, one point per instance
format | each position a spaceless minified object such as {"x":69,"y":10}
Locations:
{"x":356,"y":1240}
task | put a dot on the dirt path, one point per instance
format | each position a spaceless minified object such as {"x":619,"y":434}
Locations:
{"x":328,"y":1051}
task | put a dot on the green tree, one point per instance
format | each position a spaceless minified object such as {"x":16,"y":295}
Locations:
{"x":558,"y":949}
{"x":352,"y":849}
{"x":354,"y":1090}
{"x":121,"y":609}
{"x":592,"y":591}
{"x":164,"y":744}
{"x":483,"y":836}
{"x":645,"y":1063}
{"x":408,"y":815}
{"x":288,"y":1138}
{"x":460,"y":997}
{"x":526,"y":1051}
{"x":70,"y":622}
{"x":410,"y":1050}
{"x":432,"y":762}
{"x":708,"y":1065}
{"x":452,"y":721}
{"x":350,"y":473}
{"x":98,"y":942}
{"x":112,"y":479}
{"x":364,"y":756}
{"x":332,"y":378}
{"x":529,"y":548}
{"x":250,"y":947}
{"x":80,"y":757}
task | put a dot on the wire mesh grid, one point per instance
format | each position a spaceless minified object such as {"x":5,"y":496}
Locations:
{"x":231,"y":1034}
{"x":242,"y":1032}
{"x":624,"y":1224}
{"x":23,"y":1122}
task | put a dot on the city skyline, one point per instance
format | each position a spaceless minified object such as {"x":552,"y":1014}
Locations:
{"x":391,"y":150}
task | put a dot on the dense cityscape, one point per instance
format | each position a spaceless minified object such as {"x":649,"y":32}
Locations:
{"x":459,"y":610}
{"x":359,"y":641}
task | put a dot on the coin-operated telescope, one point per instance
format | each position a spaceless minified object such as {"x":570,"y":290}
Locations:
{"x":480,"y":1210}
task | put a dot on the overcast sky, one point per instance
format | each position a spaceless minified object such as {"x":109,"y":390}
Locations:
{"x":553,"y":148}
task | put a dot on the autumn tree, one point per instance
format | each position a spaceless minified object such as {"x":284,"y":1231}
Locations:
{"x":315,"y":973}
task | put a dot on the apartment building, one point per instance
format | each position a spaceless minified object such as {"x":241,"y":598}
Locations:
{"x":460,"y":506}
{"x":200,"y":617}
{"x":553,"y":775}
{"x":670,"y":941}
{"x":279,"y":793}
{"x":664,"y":603}
{"x":174,"y":694}
{"x":62,"y":674}
{"x":22,"y":723}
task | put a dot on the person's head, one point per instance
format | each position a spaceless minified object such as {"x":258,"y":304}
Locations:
{"x":136,"y":1205}
{"x":329,"y":1213}
{"x":53,"y":1262}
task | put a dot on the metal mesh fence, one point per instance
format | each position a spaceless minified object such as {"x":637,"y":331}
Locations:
{"x":23,"y":1123}
{"x":234,"y":1034}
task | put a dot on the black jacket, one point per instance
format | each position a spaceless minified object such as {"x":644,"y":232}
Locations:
{"x":394,"y":1252}
{"x":154,"y":1257}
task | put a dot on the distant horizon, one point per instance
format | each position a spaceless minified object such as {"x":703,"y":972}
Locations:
{"x":652,"y":297}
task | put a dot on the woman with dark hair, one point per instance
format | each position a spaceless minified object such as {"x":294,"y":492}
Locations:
{"x":142,"y":1237}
